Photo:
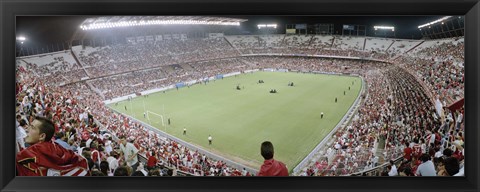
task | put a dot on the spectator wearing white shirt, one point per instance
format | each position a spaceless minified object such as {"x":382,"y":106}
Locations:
{"x":393,"y":170}
{"x":426,"y":168}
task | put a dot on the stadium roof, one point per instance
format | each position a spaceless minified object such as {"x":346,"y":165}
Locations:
{"x":123,"y":21}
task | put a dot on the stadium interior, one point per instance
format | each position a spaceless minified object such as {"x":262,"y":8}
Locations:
{"x":413,"y":96}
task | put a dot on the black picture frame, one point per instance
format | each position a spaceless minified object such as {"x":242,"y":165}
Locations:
{"x":10,"y":9}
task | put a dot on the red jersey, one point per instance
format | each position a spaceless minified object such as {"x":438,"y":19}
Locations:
{"x":152,"y":161}
{"x":272,"y":167}
{"x":48,"y":158}
{"x":417,"y":150}
{"x":407,"y":153}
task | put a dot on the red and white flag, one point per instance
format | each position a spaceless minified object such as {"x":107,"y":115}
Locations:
{"x":50,"y":159}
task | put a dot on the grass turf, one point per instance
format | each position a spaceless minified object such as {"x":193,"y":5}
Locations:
{"x":240,"y":120}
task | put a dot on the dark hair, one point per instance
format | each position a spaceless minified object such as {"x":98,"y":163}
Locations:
{"x":267,"y":150}
{"x":121,"y":171}
{"x":138,"y":173}
{"x":122,"y":137}
{"x":23,"y":122}
{"x":59,"y":135}
{"x":169,"y":172}
{"x":104,"y":167}
{"x":408,"y":171}
{"x":46,"y":126}
{"x":154,"y":172}
{"x":447,"y":152}
{"x":425,"y":157}
{"x":83,"y":143}
{"x":452,"y":166}
{"x":97,"y":173}
{"x":415,"y":140}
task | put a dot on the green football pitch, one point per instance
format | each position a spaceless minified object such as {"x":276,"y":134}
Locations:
{"x":240,"y":120}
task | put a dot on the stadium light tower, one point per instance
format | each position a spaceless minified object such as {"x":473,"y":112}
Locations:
{"x":433,"y":22}
{"x":260,"y":26}
{"x":267,"y":28}
{"x":384,"y":30}
{"x":21,"y":39}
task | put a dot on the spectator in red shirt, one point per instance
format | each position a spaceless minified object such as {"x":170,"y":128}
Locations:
{"x":407,"y":152}
{"x":46,"y":158}
{"x":152,"y":161}
{"x":271,"y":167}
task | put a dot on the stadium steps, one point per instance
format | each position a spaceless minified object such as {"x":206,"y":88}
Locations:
{"x":364,"y":44}
{"x":282,"y":43}
{"x":74,"y":55}
{"x":230,"y":43}
{"x":386,"y":50}
{"x":414,"y":47}
{"x":333,"y":41}
{"x":380,"y":150}
{"x":310,"y":41}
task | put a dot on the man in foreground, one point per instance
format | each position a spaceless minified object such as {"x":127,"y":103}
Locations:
{"x":271,"y":167}
{"x":45,"y":157}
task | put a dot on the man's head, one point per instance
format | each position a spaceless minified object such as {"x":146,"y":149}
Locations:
{"x":123,"y":139}
{"x":267,"y":150}
{"x":447,"y":152}
{"x":452,"y":166}
{"x":121,"y":171}
{"x":23,"y":123}
{"x":425,"y":157}
{"x":40,"y":130}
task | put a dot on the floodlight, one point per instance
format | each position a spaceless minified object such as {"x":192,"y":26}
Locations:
{"x":384,"y":27}
{"x":436,"y":21}
{"x":21,"y":38}
{"x":102,"y":24}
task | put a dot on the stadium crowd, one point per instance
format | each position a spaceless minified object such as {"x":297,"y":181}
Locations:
{"x":396,"y":118}
{"x":122,"y":58}
{"x":87,"y":127}
{"x":441,"y":68}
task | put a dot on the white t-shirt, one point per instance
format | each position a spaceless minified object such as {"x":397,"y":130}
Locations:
{"x":426,"y":169}
{"x":393,"y":171}
{"x":112,"y":163}
{"x":108,"y":147}
{"x":128,"y":150}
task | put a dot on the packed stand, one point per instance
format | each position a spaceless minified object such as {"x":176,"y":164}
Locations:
{"x":93,"y":133}
{"x":123,"y":58}
{"x":441,"y":68}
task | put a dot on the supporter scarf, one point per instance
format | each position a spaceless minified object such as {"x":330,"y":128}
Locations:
{"x":50,"y":159}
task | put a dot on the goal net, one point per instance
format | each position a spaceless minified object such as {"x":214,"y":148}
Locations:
{"x":155,"y":119}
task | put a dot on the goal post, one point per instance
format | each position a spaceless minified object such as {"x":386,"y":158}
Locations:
{"x":155,"y":118}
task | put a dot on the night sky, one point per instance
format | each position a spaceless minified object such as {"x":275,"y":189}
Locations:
{"x":46,"y":30}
